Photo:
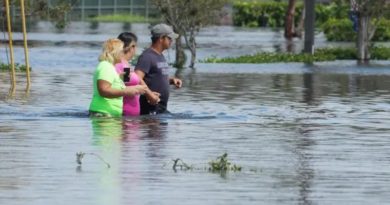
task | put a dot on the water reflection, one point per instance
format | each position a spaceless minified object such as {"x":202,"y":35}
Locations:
{"x":308,"y":91}
{"x":127,"y":129}
{"x":303,"y":144}
{"x":305,"y":172}
{"x":126,"y":143}
{"x":106,"y":127}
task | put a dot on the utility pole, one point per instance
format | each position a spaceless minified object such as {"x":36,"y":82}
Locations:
{"x":309,"y":26}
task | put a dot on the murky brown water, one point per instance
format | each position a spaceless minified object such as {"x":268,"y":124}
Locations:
{"x":303,"y":135}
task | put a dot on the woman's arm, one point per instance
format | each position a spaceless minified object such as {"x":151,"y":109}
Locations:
{"x":105,"y":90}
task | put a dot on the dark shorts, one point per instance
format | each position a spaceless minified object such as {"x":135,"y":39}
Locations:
{"x":148,"y":109}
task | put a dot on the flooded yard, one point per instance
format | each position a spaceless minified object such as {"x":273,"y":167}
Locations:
{"x":303,"y":134}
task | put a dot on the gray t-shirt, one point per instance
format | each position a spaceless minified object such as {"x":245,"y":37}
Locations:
{"x":156,"y":72}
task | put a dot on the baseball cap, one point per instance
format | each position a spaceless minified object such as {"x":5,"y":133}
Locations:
{"x":163,"y":30}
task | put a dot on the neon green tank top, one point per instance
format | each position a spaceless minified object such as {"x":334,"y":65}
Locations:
{"x":111,"y":106}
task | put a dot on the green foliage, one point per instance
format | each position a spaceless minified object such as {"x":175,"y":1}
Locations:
{"x":341,"y":30}
{"x":333,"y":10}
{"x":126,"y":18}
{"x":336,"y":54}
{"x":7,"y":67}
{"x":323,"y":54}
{"x":333,"y":18}
{"x":187,"y":17}
{"x":374,"y":9}
{"x":40,"y":9}
{"x":221,"y":164}
{"x":382,"y":32}
{"x":57,"y":12}
{"x":380,"y":53}
{"x":253,"y":14}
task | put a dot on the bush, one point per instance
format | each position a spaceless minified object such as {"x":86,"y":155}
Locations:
{"x":323,"y":54}
{"x":333,"y":19}
{"x":380,"y":53}
{"x":341,"y":30}
{"x":254,"y":14}
{"x":383,"y":31}
{"x":7,"y":67}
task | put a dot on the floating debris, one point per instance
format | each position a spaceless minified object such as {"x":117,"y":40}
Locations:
{"x":181,"y":164}
{"x":221,"y":164}
{"x":80,"y":156}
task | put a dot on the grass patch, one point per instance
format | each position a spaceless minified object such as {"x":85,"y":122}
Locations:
{"x":323,"y":54}
{"x":123,"y":18}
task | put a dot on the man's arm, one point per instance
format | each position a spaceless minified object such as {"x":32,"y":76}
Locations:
{"x":175,"y":81}
{"x":153,"y":97}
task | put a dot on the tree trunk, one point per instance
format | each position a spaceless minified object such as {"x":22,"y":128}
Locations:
{"x":180,"y":55}
{"x":309,"y":26}
{"x":192,"y":46}
{"x":363,"y":42}
{"x":299,"y":30}
{"x":289,"y":27}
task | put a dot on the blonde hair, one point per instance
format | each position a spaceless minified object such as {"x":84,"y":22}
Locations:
{"x":112,"y":51}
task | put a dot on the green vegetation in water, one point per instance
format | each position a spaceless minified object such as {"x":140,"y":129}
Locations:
{"x":323,"y":54}
{"x":220,"y":164}
{"x":80,"y":156}
{"x":7,"y":67}
{"x":125,"y":18}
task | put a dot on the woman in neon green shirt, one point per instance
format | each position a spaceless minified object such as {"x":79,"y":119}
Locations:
{"x":108,"y":87}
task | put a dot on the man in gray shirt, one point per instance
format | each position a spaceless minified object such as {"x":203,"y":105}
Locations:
{"x":152,"y":68}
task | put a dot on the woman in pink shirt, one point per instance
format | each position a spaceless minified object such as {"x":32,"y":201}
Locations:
{"x":131,"y":105}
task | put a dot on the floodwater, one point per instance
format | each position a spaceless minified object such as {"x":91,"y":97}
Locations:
{"x":302,"y":134}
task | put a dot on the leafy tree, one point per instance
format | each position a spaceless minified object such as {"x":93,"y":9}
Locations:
{"x":42,"y":10}
{"x":186,"y":18}
{"x":368,"y":14}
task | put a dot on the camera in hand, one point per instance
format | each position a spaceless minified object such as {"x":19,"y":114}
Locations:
{"x":126,"y":76}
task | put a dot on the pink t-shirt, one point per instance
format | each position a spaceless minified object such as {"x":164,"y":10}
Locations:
{"x":131,"y":106}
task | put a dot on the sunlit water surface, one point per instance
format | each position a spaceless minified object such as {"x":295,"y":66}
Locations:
{"x":302,"y":134}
